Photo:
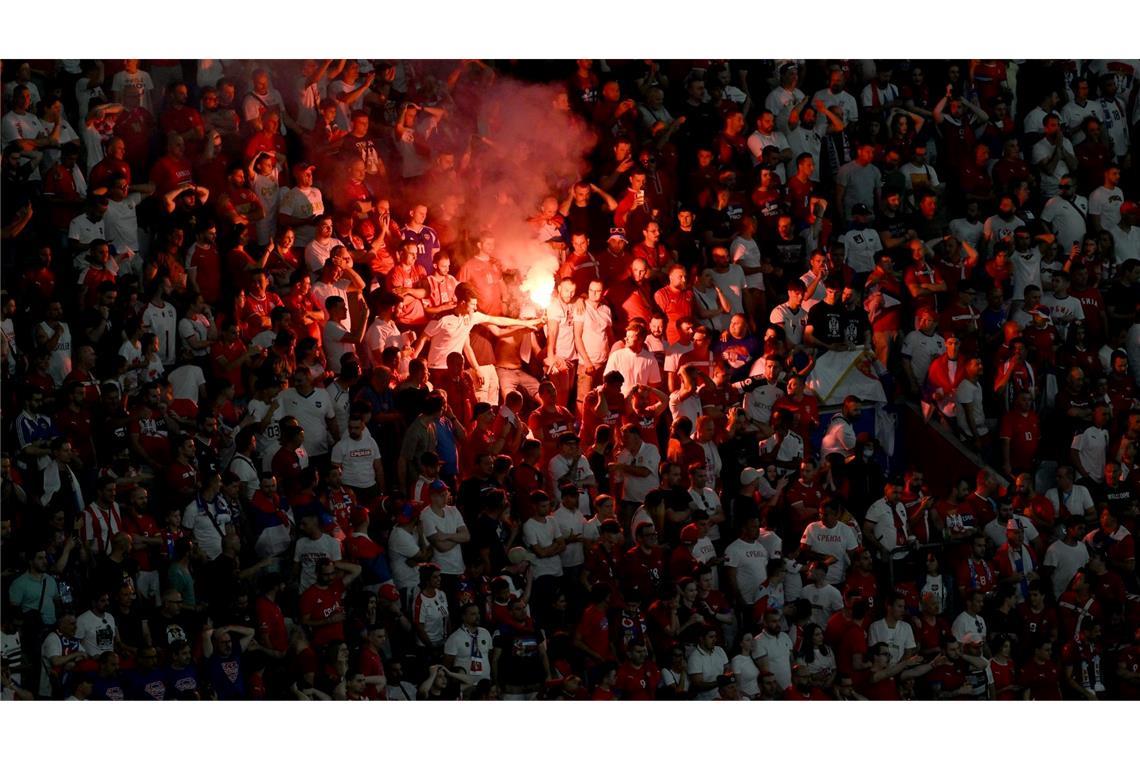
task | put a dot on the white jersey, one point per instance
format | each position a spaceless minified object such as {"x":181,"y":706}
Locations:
{"x":472,"y":652}
{"x":793,"y":322}
{"x":1106,"y":203}
{"x":163,"y":322}
{"x":60,"y":366}
{"x":750,"y":559}
{"x":922,"y":350}
{"x":313,"y":412}
{"x":269,"y":439}
{"x":898,"y":639}
{"x":451,"y":561}
{"x":861,"y":247}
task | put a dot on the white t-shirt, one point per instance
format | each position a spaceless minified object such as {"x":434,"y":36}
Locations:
{"x":777,"y":652}
{"x":196,"y":329}
{"x":898,"y":639}
{"x":1066,"y":561}
{"x":317,"y":252}
{"x":121,"y":223}
{"x":732,"y":283}
{"x":835,"y":542}
{"x":710,"y":665}
{"x":431,"y":613}
{"x":1092,"y":446}
{"x":357,"y":458}
{"x":563,"y":315}
{"x":309,"y":552}
{"x":472,"y":651}
{"x":824,"y":600}
{"x":597,"y":321}
{"x":922,"y":350}
{"x":746,"y":253}
{"x":637,"y":369}
{"x":402,"y":545}
{"x":967,"y":231}
{"x":449,"y":335}
{"x":1026,"y":271}
{"x":451,"y":561}
{"x":635,"y":487}
{"x":186,"y":382}
{"x":1106,"y":204}
{"x":1076,"y":502}
{"x":133,"y":89}
{"x":1126,"y":244}
{"x":751,"y":562}
{"x":1042,"y":150}
{"x":969,"y":393}
{"x":570,"y":522}
{"x":690,"y":407}
{"x":861,"y":247}
{"x":96,"y":632}
{"x":542,"y":534}
{"x":1067,"y":219}
{"x":966,"y":623}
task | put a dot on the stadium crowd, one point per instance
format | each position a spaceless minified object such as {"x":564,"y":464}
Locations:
{"x":349,"y":379}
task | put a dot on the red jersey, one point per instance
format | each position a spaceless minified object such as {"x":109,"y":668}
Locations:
{"x":371,"y":664}
{"x":1042,"y":679}
{"x":547,"y":423}
{"x":231,"y":352}
{"x":168,"y":173}
{"x":638,"y":684}
{"x":675,"y":304}
{"x":1004,"y":675}
{"x":150,"y":426}
{"x":208,"y":271}
{"x":142,"y":526}
{"x":321,"y":604}
{"x":254,"y":311}
{"x":594,"y":630}
{"x":101,"y":172}
{"x":977,"y":574}
{"x":286,"y":466}
{"x":916,"y":275}
{"x":1037,"y":623}
{"x":643,"y":572}
{"x":1024,"y":434}
{"x":271,"y":624}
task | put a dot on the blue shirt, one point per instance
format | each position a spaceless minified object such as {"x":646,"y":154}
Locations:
{"x":445,"y":446}
{"x":427,"y":245}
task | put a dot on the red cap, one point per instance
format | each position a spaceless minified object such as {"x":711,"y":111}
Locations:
{"x":388,"y":593}
{"x":690,"y":533}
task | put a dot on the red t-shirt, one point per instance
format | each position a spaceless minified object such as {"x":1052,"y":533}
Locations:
{"x":168,"y":173}
{"x":1042,"y":679}
{"x":320,"y":604}
{"x":207,"y":262}
{"x":675,"y":304}
{"x":231,"y":352}
{"x":638,"y":684}
{"x":271,"y":624}
{"x":594,"y":629}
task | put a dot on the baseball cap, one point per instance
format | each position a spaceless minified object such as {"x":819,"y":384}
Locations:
{"x":972,"y":639}
{"x":690,"y":533}
{"x":437,"y":486}
{"x":406,"y":514}
{"x":749,"y":475}
{"x":725,"y":679}
{"x":388,"y":593}
{"x":1013,"y":524}
{"x":303,"y":166}
{"x":568,"y":438}
{"x":860,"y":209}
{"x":619,"y":233}
{"x":519,"y":554}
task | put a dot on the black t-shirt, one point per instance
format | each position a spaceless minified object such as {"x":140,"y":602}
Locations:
{"x":828,"y":322}
{"x":687,"y":248}
{"x":789,"y":255}
{"x":591,"y":220}
{"x":520,"y":663}
{"x":165,"y":632}
{"x":492,"y":534}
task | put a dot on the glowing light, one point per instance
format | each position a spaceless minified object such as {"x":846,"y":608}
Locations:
{"x":538,"y":282}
